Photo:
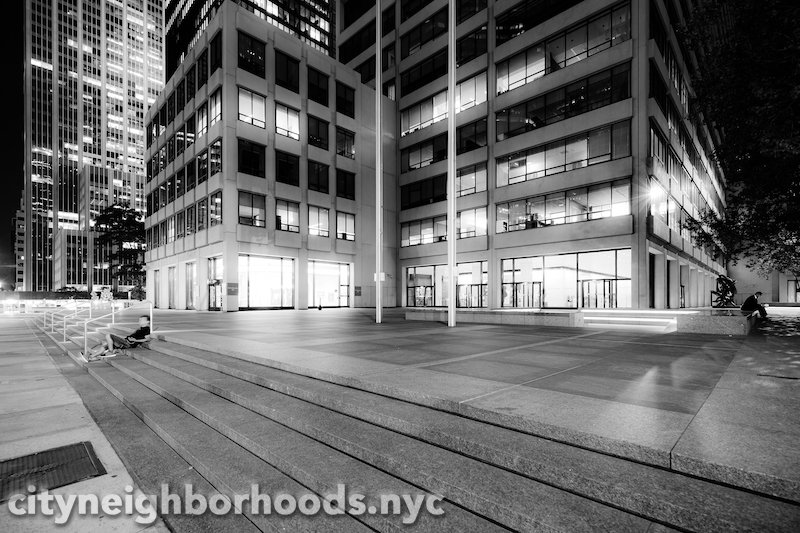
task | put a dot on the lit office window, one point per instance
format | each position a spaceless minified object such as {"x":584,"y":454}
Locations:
{"x":318,"y":221}
{"x":471,"y":179}
{"x":252,"y":108}
{"x":252,"y":209}
{"x":215,"y":107}
{"x":471,"y":223}
{"x":287,"y":216}
{"x":287,"y":121}
{"x":345,"y":226}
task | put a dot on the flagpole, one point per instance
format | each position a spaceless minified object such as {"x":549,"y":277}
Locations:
{"x":451,"y":165}
{"x":378,"y":167}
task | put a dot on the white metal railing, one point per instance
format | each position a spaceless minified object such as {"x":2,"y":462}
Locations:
{"x":133,"y":304}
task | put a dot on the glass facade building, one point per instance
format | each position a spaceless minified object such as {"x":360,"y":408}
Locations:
{"x":92,"y":68}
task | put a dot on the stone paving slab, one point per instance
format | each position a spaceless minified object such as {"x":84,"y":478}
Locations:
{"x":586,"y":408}
{"x":41,"y":411}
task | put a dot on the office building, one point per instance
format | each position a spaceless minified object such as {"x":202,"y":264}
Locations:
{"x":261,"y":180}
{"x":92,"y":68}
{"x":578,"y":154}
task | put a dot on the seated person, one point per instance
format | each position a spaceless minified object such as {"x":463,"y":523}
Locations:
{"x":751,"y":304}
{"x":115,"y":342}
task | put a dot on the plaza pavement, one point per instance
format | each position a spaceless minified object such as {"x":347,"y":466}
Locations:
{"x":40,"y":410}
{"x":720,"y":408}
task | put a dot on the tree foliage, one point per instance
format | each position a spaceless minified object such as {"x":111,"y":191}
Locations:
{"x":122,"y":228}
{"x":748,"y":90}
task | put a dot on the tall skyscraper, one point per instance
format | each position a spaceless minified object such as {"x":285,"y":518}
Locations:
{"x":92,"y":68}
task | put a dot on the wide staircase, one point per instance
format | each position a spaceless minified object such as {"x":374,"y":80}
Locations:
{"x":239,"y":423}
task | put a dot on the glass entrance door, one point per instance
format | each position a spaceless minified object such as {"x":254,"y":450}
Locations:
{"x":472,"y":295}
{"x":599,"y":293}
{"x":156,"y":288}
{"x":528,"y":294}
{"x":328,"y":284}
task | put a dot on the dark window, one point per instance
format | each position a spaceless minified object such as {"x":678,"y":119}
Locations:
{"x":287,"y":71}
{"x":410,"y":7}
{"x":180,"y":183}
{"x":424,"y":72}
{"x":317,"y":132}
{"x":148,"y":134}
{"x":191,"y":220}
{"x":191,"y":175}
{"x":170,"y":190}
{"x":362,"y":40}
{"x":180,"y":143}
{"x":466,"y":8}
{"x":317,"y":86}
{"x":471,"y":136}
{"x":202,"y":167}
{"x":353,"y":9}
{"x":190,"y":131}
{"x":149,"y":203}
{"x":526,"y":15}
{"x":215,"y":156}
{"x":367,"y":70}
{"x":424,"y":192}
{"x":171,"y":149}
{"x":202,"y":68}
{"x":215,"y":208}
{"x":345,"y":100}
{"x":424,"y":32}
{"x":180,"y":225}
{"x":252,"y":158}
{"x":318,"y":177}
{"x":345,"y":143}
{"x":162,"y":119}
{"x":471,"y":46}
{"x":191,"y":86}
{"x":202,"y":214}
{"x":287,"y":168}
{"x":251,"y":55}
{"x":387,"y":20}
{"x":180,"y":96}
{"x":171,"y":107}
{"x":252,"y":209}
{"x":345,"y":184}
{"x":215,"y":54}
{"x":424,"y":153}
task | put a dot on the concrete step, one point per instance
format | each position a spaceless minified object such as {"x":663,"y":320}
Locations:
{"x":320,"y":448}
{"x":228,"y":467}
{"x":653,"y":493}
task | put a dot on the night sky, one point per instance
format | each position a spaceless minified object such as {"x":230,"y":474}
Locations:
{"x":13,"y":144}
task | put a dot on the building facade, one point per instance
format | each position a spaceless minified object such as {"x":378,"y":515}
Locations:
{"x":92,"y":68}
{"x":261,"y":175}
{"x":578,"y":155}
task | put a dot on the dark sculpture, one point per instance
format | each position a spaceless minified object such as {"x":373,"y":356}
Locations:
{"x":726,"y":289}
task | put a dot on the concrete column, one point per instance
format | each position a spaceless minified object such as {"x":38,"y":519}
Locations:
{"x":673,"y":271}
{"x":201,"y":303}
{"x":302,"y":284}
{"x":660,"y":280}
{"x":691,"y":290}
{"x":230,"y":282}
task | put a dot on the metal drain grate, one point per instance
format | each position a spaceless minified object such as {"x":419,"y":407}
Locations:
{"x":49,"y":469}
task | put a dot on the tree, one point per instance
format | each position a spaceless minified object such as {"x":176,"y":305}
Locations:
{"x":121,"y":228}
{"x":748,"y":90}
